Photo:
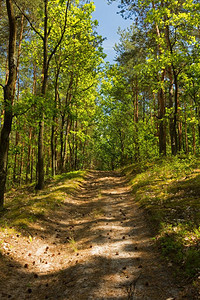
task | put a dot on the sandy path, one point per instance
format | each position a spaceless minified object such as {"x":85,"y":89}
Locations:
{"x":123,"y":263}
{"x":97,"y":247}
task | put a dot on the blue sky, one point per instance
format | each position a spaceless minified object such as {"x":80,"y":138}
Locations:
{"x":109,"y":22}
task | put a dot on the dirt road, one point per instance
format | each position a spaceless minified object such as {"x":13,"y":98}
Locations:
{"x":98,"y":246}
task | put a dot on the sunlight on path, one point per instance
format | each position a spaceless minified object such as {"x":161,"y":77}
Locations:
{"x":96,"y":246}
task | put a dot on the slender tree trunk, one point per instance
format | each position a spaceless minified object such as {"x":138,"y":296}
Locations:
{"x":40,"y":165}
{"x":76,"y":147}
{"x":62,"y":143}
{"x":193,"y":131}
{"x":174,"y":118}
{"x":8,"y":100}
{"x":16,"y":154}
{"x":186,"y":136}
{"x":179,"y":129}
{"x":21,"y":164}
{"x":48,"y":159}
{"x":162,"y":126}
{"x":70,"y":153}
{"x":53,"y":146}
{"x":194,"y":139}
{"x":171,"y":122}
{"x":136,"y":117}
{"x":143,"y":109}
{"x":175,"y":112}
{"x":53,"y":150}
{"x":67,"y":146}
{"x":7,"y":66}
{"x":18,"y":92}
{"x":29,"y":155}
{"x":161,"y":99}
{"x":174,"y":136}
{"x":40,"y":183}
{"x":73,"y":143}
{"x":180,"y":140}
{"x":53,"y":127}
{"x":19,"y":52}
{"x":32,"y":163}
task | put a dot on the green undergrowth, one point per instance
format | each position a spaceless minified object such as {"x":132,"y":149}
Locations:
{"x":25,"y":205}
{"x":169,"y":191}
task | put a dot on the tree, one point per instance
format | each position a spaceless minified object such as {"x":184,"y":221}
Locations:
{"x":170,"y":27}
{"x":69,"y":104}
{"x":47,"y":57}
{"x":9,"y":89}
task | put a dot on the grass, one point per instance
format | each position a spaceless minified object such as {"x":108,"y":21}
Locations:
{"x":24,"y":205}
{"x":169,"y":191}
{"x":73,"y":244}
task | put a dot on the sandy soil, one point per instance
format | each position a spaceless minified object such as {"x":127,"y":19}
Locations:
{"x":97,"y":246}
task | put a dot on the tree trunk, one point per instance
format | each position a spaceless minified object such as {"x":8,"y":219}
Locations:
{"x":173,"y":131}
{"x":180,"y":142}
{"x":136,"y":116}
{"x":46,"y":62}
{"x":193,"y":131}
{"x":40,"y":165}
{"x":76,"y":147}
{"x":8,"y":99}
{"x":186,"y":136}
{"x":53,"y":146}
{"x":48,"y":159}
{"x":161,"y":100}
{"x":32,"y":162}
{"x":21,"y":165}
{"x":70,"y":154}
{"x":16,"y":154}
{"x":29,"y":156}
{"x":62,"y":143}
{"x":175,"y":112}
{"x":40,"y":183}
{"x":194,"y":139}
{"x":53,"y":127}
{"x":171,"y":122}
{"x":67,"y":131}
{"x":18,"y":92}
{"x":162,"y":126}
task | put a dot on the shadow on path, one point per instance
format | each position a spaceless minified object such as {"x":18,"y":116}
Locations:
{"x":98,"y":246}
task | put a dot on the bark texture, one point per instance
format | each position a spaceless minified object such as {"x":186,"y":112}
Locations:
{"x":8,"y":100}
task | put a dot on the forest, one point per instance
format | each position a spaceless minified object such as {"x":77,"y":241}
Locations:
{"x":64,"y":109}
{"x":87,"y":143}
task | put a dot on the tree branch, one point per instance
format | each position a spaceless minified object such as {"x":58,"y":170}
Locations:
{"x":87,"y":88}
{"x":23,"y":112}
{"x":62,"y":35}
{"x":29,"y":21}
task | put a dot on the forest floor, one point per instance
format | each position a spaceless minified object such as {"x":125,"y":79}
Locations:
{"x":95,"y":244}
